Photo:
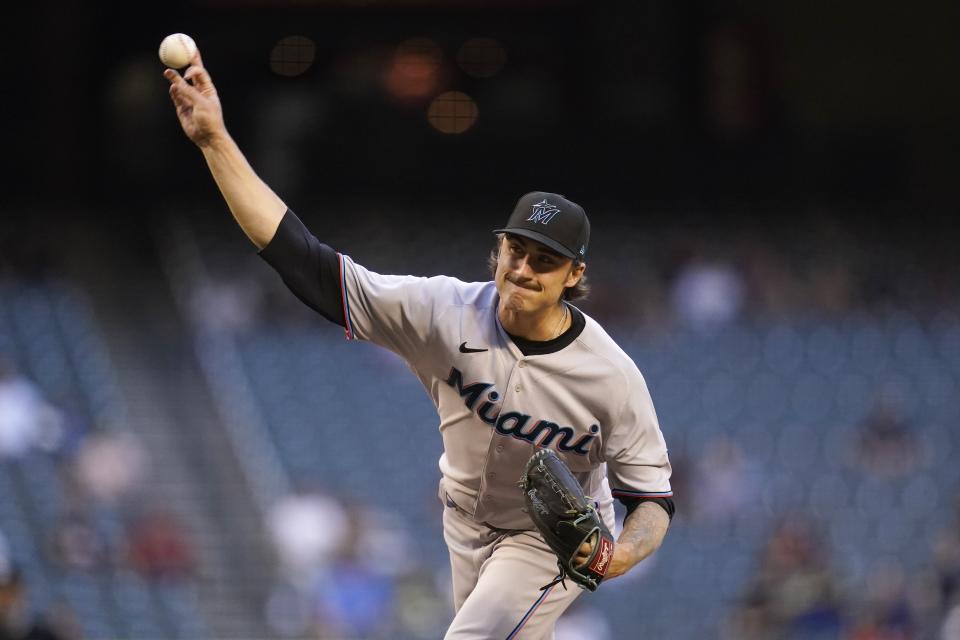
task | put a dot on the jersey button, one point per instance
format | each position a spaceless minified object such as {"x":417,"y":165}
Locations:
{"x":517,"y":388}
{"x":499,"y":448}
{"x":523,"y":363}
{"x":492,"y":475}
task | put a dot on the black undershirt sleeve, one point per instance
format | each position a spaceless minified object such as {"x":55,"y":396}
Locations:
{"x":308,"y":267}
{"x":633,"y":503}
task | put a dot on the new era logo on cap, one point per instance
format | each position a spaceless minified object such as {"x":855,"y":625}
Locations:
{"x":552,"y":220}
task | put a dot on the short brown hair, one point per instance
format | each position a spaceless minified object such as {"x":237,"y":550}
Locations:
{"x":578,"y":291}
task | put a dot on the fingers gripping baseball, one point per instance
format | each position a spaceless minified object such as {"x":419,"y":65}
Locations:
{"x":200,"y":79}
{"x":198,"y":106}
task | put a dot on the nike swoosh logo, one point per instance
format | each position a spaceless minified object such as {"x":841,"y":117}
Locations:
{"x":465,"y":349}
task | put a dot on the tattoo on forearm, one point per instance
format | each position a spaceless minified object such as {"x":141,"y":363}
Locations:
{"x":644,"y":529}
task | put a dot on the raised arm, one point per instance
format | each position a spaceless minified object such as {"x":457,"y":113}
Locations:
{"x":254,"y":205}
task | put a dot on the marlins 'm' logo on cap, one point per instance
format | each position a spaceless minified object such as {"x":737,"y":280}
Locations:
{"x":543,"y":212}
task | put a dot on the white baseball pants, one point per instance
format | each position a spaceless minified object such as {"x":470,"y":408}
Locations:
{"x":497,"y":575}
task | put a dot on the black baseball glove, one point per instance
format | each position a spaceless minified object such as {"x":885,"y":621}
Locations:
{"x":567,"y":519}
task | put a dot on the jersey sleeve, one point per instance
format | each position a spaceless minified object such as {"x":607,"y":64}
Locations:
{"x":396,"y":312}
{"x":635,"y":450}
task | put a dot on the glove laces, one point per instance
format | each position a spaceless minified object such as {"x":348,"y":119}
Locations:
{"x":560,"y":579}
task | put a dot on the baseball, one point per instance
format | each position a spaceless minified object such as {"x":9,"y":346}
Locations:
{"x":177,"y":49}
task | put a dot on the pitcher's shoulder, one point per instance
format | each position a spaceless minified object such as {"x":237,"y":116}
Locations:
{"x":596,"y":339}
{"x":474,"y":294}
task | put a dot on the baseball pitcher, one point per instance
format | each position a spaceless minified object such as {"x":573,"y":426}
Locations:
{"x":513,"y":368}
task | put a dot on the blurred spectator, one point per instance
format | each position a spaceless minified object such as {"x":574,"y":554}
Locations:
{"x":226,"y":304}
{"x":725,"y":483}
{"x":158,"y":547}
{"x":356,"y":596}
{"x":64,"y":438}
{"x":110,"y":466}
{"x":354,"y":601}
{"x":383,"y":542}
{"x":76,"y":544}
{"x":773,"y":285}
{"x":24,"y":414}
{"x":794,"y":594}
{"x":887,"y":446}
{"x":422,"y":606}
{"x":887,"y":612}
{"x":364,"y":577}
{"x":307,"y":529}
{"x":832,"y":287}
{"x":16,"y":620}
{"x":707,"y":294}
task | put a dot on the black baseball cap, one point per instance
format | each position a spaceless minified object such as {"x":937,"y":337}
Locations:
{"x":553,"y":220}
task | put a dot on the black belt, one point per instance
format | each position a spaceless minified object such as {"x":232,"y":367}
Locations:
{"x":507,"y":532}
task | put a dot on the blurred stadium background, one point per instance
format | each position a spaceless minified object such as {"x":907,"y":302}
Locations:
{"x":186,"y":452}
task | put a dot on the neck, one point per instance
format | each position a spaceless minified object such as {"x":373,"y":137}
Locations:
{"x":542,"y":326}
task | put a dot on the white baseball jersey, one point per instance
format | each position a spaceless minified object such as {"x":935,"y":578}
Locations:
{"x":588,"y":401}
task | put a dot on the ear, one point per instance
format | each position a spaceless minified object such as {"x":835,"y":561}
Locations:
{"x":576,"y":272}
